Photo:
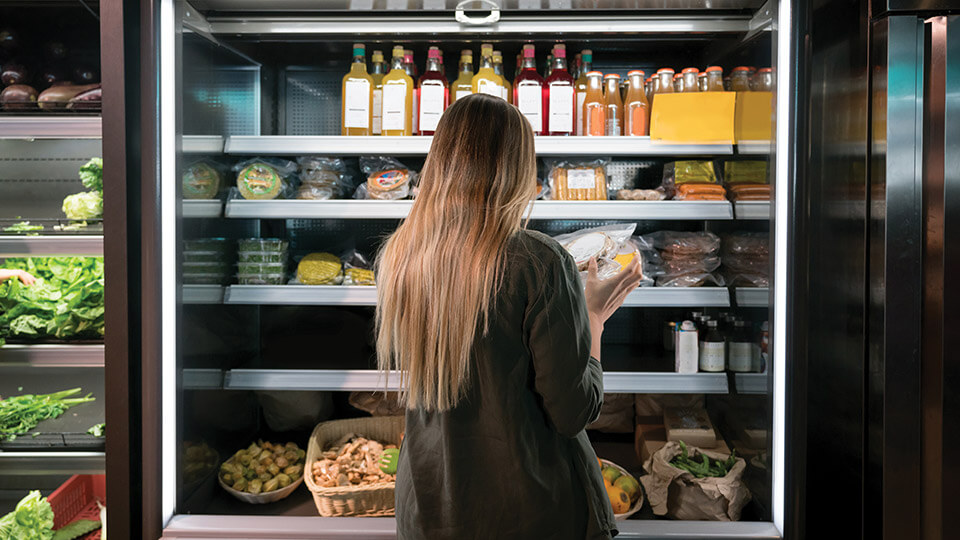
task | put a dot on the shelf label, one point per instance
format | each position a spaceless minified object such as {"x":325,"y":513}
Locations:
{"x":561,"y":109}
{"x":356,"y":112}
{"x":431,"y":106}
{"x":530,"y":103}
{"x":394,"y":106}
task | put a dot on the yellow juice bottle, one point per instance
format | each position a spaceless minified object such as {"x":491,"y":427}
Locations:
{"x":498,"y":69}
{"x":356,"y":103}
{"x":377,"y":71}
{"x":463,"y":85}
{"x":397,"y":98}
{"x":486,"y":81}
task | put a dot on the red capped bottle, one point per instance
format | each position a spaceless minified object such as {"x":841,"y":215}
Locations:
{"x":433,"y":95}
{"x":560,"y":95}
{"x":529,"y":93}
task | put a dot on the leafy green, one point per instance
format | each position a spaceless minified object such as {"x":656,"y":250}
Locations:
{"x":76,"y":529}
{"x":31,"y":520}
{"x":91,"y":174}
{"x":706,"y":467}
{"x":98,"y":430}
{"x":65,"y":302}
{"x":20,"y":414}
{"x":23,"y":226}
{"x":83,"y":205}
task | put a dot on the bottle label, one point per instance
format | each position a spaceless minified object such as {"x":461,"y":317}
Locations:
{"x":490,"y":88}
{"x":377,"y":110}
{"x":394,"y":106}
{"x":638,"y":121}
{"x":561,"y":109}
{"x":462,"y":93}
{"x":356,"y":113}
{"x":741,"y":356}
{"x":613,"y":126}
{"x":415,"y":120}
{"x":581,"y":97}
{"x":530,"y":103}
{"x":581,"y":179}
{"x":431,"y":106}
{"x":712,"y":356}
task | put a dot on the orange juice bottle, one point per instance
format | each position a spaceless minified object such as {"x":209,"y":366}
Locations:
{"x":462,"y":86}
{"x":498,"y":69}
{"x":636,"y":110}
{"x":486,"y":81}
{"x":377,"y":72}
{"x":357,"y":96}
{"x":586,"y":64}
{"x":714,"y":79}
{"x":612,"y":105}
{"x":397,"y":98}
{"x":593,"y":113}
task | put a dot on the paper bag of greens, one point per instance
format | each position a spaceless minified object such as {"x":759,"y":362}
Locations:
{"x":682,"y":484}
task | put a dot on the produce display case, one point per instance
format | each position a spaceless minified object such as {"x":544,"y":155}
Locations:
{"x":239,"y":80}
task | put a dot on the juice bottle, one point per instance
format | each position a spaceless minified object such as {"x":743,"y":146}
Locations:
{"x":410,"y":68}
{"x":434,"y":95}
{"x":613,"y":106}
{"x":486,"y":81}
{"x":560,"y":98}
{"x":593,"y":113}
{"x":740,"y":79}
{"x":498,"y":69}
{"x":377,"y":72}
{"x":461,"y":86}
{"x":357,"y":96}
{"x":702,"y":81}
{"x":397,"y":98}
{"x":529,"y":92}
{"x":677,"y":83}
{"x":664,"y":84}
{"x":688,"y":80}
{"x":714,"y":79}
{"x":636,"y":109}
{"x":586,"y":65}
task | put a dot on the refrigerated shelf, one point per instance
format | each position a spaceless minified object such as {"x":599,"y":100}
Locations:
{"x":290,"y":145}
{"x":66,"y":245}
{"x":752,"y":297}
{"x":202,"y":209}
{"x":341,"y":295}
{"x":203,"y":294}
{"x":44,"y":463}
{"x":50,"y":127}
{"x":751,"y":210}
{"x":754,"y":148}
{"x":202,"y":144}
{"x":541,"y":210}
{"x":52,"y":355}
{"x":751,"y":383}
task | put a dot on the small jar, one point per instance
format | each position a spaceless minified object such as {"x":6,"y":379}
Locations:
{"x":665,"y":81}
{"x":740,"y":79}
{"x":765,"y":80}
{"x":715,"y":81}
{"x":688,"y":79}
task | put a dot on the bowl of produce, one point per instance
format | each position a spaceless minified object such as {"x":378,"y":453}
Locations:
{"x":623,"y":489}
{"x":263,"y":472}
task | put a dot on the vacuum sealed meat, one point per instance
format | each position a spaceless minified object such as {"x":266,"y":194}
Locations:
{"x":677,"y":244}
{"x":578,"y":181}
{"x":692,"y":181}
{"x":688,"y":258}
{"x":264,"y":178}
{"x":746,"y":259}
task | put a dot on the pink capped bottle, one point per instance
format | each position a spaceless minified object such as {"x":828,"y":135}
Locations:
{"x":529,"y":93}
{"x":434,"y":94}
{"x":411,"y":69}
{"x":560,"y":95}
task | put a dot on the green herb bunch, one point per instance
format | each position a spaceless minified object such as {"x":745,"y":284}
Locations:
{"x":20,"y":414}
{"x":706,"y":467}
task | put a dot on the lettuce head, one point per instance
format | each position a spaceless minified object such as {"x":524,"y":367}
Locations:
{"x":84,"y":205}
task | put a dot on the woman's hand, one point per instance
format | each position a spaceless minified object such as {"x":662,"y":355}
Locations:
{"x":605,"y":297}
{"x":23,"y":276}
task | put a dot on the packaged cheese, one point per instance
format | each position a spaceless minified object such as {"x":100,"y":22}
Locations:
{"x":201,"y":180}
{"x":579,"y":181}
{"x":601,"y":243}
{"x":263,"y":178}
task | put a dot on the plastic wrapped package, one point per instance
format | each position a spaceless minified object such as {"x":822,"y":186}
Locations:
{"x":320,"y":269}
{"x":602,"y":243}
{"x":578,"y":180}
{"x":746,"y":259}
{"x":261,"y":268}
{"x":745,"y":172}
{"x":261,"y":279}
{"x":261,"y":245}
{"x":321,"y":178}
{"x":641,"y":194}
{"x":262,"y":256}
{"x":357,"y":270}
{"x":692,"y":180}
{"x":377,"y":403}
{"x":265,"y":178}
{"x":387,"y":179}
{"x":688,"y":258}
{"x":201,"y":180}
{"x":679,"y":244}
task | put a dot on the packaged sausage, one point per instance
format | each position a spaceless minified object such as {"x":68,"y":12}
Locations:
{"x":692,"y":181}
{"x":264,"y":178}
{"x":578,"y":181}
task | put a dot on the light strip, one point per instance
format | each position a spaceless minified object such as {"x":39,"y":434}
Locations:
{"x":168,"y":217}
{"x":785,"y":73}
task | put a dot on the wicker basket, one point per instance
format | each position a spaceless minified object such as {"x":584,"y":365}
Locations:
{"x":352,"y":500}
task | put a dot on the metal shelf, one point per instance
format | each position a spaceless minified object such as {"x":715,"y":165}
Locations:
{"x":52,"y":355}
{"x":356,"y":295}
{"x":418,"y":146}
{"x":754,"y":148}
{"x":202,"y":144}
{"x":752,"y":210}
{"x":50,"y":127}
{"x":53,"y":462}
{"x":751,"y":383}
{"x":31,"y":246}
{"x":354,"y":209}
{"x":370,"y":380}
{"x":752,"y":297}
{"x":202,"y":379}
{"x":212,"y":208}
{"x":203,"y":294}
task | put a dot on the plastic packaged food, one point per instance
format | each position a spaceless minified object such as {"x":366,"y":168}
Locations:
{"x":201,"y":180}
{"x":320,"y":269}
{"x":745,"y":172}
{"x":603,"y":243}
{"x":263,"y":178}
{"x":357,"y":269}
{"x":641,"y":195}
{"x":261,"y":279}
{"x":215,"y":267}
{"x":261,"y":268}
{"x":688,"y":258}
{"x":746,"y":259}
{"x":387,"y":179}
{"x":321,"y":178}
{"x":692,"y":180}
{"x":261,"y":244}
{"x":262,"y":256}
{"x":206,"y":244}
{"x":579,"y":181}
{"x":204,"y":256}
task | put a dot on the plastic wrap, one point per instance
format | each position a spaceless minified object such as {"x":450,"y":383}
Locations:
{"x":578,"y":180}
{"x":641,"y":194}
{"x":688,"y":259}
{"x":265,"y":178}
{"x":602,"y":243}
{"x":746,"y":259}
{"x":357,"y":270}
{"x":674,"y":244}
{"x":320,"y":269}
{"x":321,"y":178}
{"x":387,"y":179}
{"x":745,"y":172}
{"x":692,"y":180}
{"x":202,"y":180}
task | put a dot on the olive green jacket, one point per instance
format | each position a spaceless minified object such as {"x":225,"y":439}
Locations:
{"x":512,"y":460}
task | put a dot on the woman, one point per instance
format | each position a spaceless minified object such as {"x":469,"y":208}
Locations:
{"x":497,"y":343}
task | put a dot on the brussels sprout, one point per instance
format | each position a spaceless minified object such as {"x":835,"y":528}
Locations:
{"x":265,"y":477}
{"x":254,"y":487}
{"x":271,"y":485}
{"x":240,"y":485}
{"x":284,"y":480}
{"x":273,"y":469}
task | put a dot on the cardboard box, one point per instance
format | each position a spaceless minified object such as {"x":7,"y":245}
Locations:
{"x":754,"y":117}
{"x":651,"y":436}
{"x":693,"y":118}
{"x":691,"y":425}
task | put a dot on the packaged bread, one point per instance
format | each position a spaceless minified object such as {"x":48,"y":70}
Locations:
{"x":579,"y":181}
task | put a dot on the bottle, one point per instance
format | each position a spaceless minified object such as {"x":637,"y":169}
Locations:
{"x":765,"y":80}
{"x":677,"y":83}
{"x":433,"y":93}
{"x":498,"y":69}
{"x":612,"y":106}
{"x":740,"y":355}
{"x":702,"y":81}
{"x":624,"y":87}
{"x":357,"y":96}
{"x":443,"y":72}
{"x":560,"y":100}
{"x":593,"y":112}
{"x":740,"y":79}
{"x":377,"y":72}
{"x":461,"y":86}
{"x":664,"y":84}
{"x":688,"y":80}
{"x":686,"y":353}
{"x":726,"y":83}
{"x":753,"y":79}
{"x":670,"y":329}
{"x":636,"y":109}
{"x":714,"y":79}
{"x":411,"y":70}
{"x":713,"y":350}
{"x":486,"y":81}
{"x":397,"y":98}
{"x":548,"y":69}
{"x":577,"y":66}
{"x":586,"y":65}
{"x":529,"y":92}
{"x":648,"y":88}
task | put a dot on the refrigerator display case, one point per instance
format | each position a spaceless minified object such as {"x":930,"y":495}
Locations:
{"x":227,"y":363}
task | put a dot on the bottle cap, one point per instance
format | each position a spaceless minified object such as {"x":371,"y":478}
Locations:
{"x":711,"y":69}
{"x":408,"y":58}
{"x":498,"y":54}
{"x":377,"y":56}
{"x":637,"y":72}
{"x":466,"y":52}
{"x":359,"y":49}
{"x":690,"y":70}
{"x":433,"y":53}
{"x":766,"y":70}
{"x":712,"y":323}
{"x":611,"y":76}
{"x":741,"y":68}
{"x":677,"y":76}
{"x":594,"y":74}
{"x":687,"y":326}
{"x":702,"y":75}
{"x":529,"y":52}
{"x":560,"y":51}
{"x":398,"y":52}
{"x":587,"y":55}
{"x":665,"y":70}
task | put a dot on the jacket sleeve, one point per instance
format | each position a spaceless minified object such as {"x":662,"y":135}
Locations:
{"x":568,"y":380}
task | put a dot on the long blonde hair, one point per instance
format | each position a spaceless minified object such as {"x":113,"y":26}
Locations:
{"x":439,"y":272}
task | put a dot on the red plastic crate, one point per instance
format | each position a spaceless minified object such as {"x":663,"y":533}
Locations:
{"x":77,"y":499}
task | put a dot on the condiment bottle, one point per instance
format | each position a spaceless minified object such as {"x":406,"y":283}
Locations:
{"x":713,"y":350}
{"x":686,"y":353}
{"x":740,"y":79}
{"x":586,"y":65}
{"x":740,"y":356}
{"x":593,"y":112}
{"x":462,"y":86}
{"x":528,"y":91}
{"x":433,"y":93}
{"x":506,"y":89}
{"x":560,"y":95}
{"x":486,"y":81}
{"x":397,"y":98}
{"x":357,"y":96}
{"x":714,"y":79}
{"x":765,"y":80}
{"x":636,"y":109}
{"x":688,"y":78}
{"x":613,"y":106}
{"x":377,"y":72}
{"x":670,"y":329}
{"x":411,"y":69}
